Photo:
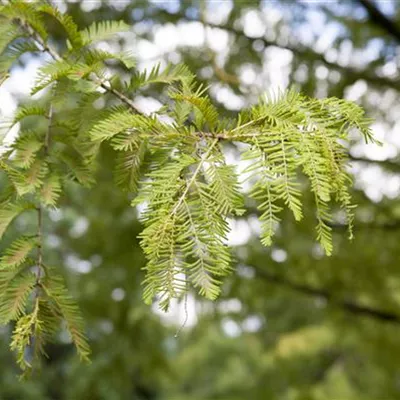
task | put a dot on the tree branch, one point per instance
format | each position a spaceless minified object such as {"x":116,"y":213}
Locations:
{"x":380,"y":19}
{"x":345,"y":305}
{"x":300,"y":51}
{"x":56,"y":56}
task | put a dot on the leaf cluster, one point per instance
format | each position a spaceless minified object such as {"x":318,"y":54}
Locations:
{"x":173,"y":161}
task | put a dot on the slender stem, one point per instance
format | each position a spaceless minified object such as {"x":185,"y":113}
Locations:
{"x":252,"y":122}
{"x":182,"y":326}
{"x":47,"y":138}
{"x":121,"y":96}
{"x":40,"y":248}
{"x":45,"y":47}
{"x":40,"y":208}
{"x":194,"y":176}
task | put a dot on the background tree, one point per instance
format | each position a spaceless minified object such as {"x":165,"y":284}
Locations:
{"x":291,"y":323}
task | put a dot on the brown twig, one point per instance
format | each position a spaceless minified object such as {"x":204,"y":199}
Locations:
{"x":380,"y":19}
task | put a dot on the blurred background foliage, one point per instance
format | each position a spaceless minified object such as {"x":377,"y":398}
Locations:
{"x":291,"y":324}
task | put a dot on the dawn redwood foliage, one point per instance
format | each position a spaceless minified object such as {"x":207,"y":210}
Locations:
{"x":172,"y":160}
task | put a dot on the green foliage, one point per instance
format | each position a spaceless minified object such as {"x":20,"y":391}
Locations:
{"x":73,"y":35}
{"x":170,"y":74}
{"x":8,"y":212}
{"x":17,"y":252}
{"x":14,"y":52}
{"x":304,"y":135}
{"x":26,"y":148}
{"x":65,"y":307}
{"x":51,"y":191}
{"x":15,"y":297}
{"x":128,"y":165}
{"x":29,"y":111}
{"x":177,"y":168}
{"x":26,"y":329}
{"x":103,"y":30}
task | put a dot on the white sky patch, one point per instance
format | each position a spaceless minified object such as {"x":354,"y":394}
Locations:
{"x":19,"y":84}
{"x":56,"y":214}
{"x":279,"y":255}
{"x":345,"y":52}
{"x":119,"y":5}
{"x":166,"y":37}
{"x":118,"y":294}
{"x":248,"y":74}
{"x":89,"y":5}
{"x":240,"y":232}
{"x":147,"y":50}
{"x":356,"y":91}
{"x":217,"y":12}
{"x":191,"y":34}
{"x":374,"y":151}
{"x":394,"y":135}
{"x":140,"y":209}
{"x":178,"y":312}
{"x":255,"y":225}
{"x":227,"y":97}
{"x":271,"y":14}
{"x":327,"y":37}
{"x":104,"y":46}
{"x":252,"y":323}
{"x":230,"y":306}
{"x":80,"y":227}
{"x":22,"y":80}
{"x":253,"y":24}
{"x":217,"y":40}
{"x":390,"y":100}
{"x":62,"y":7}
{"x":277,"y":68}
{"x":147,"y":105}
{"x":231,"y":327}
{"x":377,"y":183}
{"x":169,"y":5}
{"x":106,"y":326}
{"x":321,"y":72}
{"x":316,"y":19}
{"x":390,"y":70}
{"x":301,"y":74}
{"x":53,"y":241}
{"x":74,"y":263}
{"x":245,"y":271}
{"x":372,"y":50}
{"x":8,"y":105}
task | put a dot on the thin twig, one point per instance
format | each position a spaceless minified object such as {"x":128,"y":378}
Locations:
{"x":47,"y":138}
{"x":45,"y":47}
{"x":40,"y":249}
{"x":377,"y":17}
{"x":185,"y":305}
{"x":40,"y":208}
{"x":194,"y":176}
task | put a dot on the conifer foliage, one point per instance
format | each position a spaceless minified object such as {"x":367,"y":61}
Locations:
{"x":172,"y":160}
